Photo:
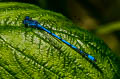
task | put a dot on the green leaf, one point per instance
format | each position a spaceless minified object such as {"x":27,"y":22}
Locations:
{"x":109,"y":28}
{"x":31,"y":53}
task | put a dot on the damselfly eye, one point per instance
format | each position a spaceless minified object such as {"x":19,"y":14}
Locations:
{"x":27,"y":18}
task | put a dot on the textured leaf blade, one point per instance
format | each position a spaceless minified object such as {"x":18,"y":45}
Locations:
{"x":32,"y":53}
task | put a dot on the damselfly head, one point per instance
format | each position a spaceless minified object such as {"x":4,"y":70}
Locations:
{"x":27,"y":18}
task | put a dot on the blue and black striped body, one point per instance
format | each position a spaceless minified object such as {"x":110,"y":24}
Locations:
{"x":33,"y":23}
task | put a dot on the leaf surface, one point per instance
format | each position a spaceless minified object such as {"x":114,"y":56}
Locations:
{"x":27,"y":53}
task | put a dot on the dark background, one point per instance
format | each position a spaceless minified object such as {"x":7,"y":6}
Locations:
{"x":101,"y":17}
